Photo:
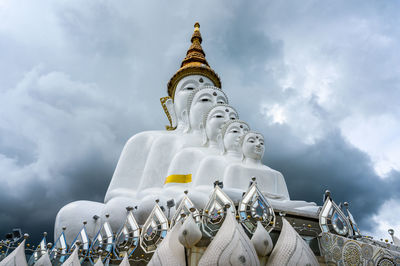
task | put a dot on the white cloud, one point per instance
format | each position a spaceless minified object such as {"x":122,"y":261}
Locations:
{"x":378,"y":136}
{"x":275,"y":112}
{"x":342,"y":70}
{"x":386,"y":218}
{"x":61,"y":120}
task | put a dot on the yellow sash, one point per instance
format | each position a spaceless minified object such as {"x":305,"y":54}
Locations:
{"x":178,"y":179}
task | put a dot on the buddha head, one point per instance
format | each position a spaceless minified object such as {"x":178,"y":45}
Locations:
{"x":193,"y":72}
{"x":214,"y":119}
{"x":183,"y":90}
{"x":231,"y":132}
{"x":253,"y":145}
{"x":199,"y":102}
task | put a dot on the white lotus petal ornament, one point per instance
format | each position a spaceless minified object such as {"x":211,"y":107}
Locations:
{"x":189,"y":234}
{"x":44,"y":260}
{"x":262,"y":241}
{"x":17,"y":257}
{"x":125,"y":262}
{"x":73,"y":259}
{"x":99,"y":262}
{"x":230,"y":246}
{"x":291,"y":249}
{"x":170,"y":251}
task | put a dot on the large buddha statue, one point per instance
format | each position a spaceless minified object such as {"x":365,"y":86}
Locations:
{"x":122,"y":191}
{"x":239,"y":175}
{"x":165,"y":150}
{"x":143,"y":148}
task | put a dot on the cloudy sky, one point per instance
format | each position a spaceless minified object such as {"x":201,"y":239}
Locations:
{"x":321,"y":81}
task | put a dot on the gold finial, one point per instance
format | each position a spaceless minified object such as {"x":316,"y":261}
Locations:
{"x":194,"y":63}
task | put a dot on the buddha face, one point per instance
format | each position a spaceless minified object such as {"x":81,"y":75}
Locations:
{"x":185,"y":86}
{"x":217,"y":118}
{"x":203,"y":100}
{"x":253,"y":146}
{"x":232,"y":136}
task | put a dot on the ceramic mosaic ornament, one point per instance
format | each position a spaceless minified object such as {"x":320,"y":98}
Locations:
{"x":127,"y":238}
{"x":82,"y":243}
{"x":59,"y":250}
{"x":255,"y":207}
{"x":185,"y":208}
{"x":215,"y":211}
{"x":154,"y":230}
{"x":103,"y":244}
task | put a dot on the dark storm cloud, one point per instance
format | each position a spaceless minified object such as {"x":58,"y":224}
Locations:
{"x":333,"y":164}
{"x":45,"y":167}
{"x":80,"y":78}
{"x":35,"y":208}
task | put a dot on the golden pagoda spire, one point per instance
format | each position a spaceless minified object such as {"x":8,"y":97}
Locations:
{"x":194,"y":63}
{"x":195,"y":54}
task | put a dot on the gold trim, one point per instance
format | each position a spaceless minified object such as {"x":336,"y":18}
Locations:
{"x":178,"y":179}
{"x":192,"y":70}
{"x":163,"y":100}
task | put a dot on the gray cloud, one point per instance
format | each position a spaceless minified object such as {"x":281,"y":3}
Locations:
{"x":78,"y":79}
{"x":334,"y":164}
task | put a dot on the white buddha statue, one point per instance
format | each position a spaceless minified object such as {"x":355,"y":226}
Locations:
{"x":212,"y":168}
{"x":194,"y":72}
{"x":161,"y":156}
{"x":186,"y":161}
{"x":127,"y":174}
{"x":141,"y":184}
{"x":238,"y":175}
{"x":121,"y":192}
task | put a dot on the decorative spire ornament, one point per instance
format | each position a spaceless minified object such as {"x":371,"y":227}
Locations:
{"x":194,"y":63}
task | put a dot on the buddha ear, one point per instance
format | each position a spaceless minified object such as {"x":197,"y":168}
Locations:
{"x":220,"y":142}
{"x":185,"y":119}
{"x":204,"y":134}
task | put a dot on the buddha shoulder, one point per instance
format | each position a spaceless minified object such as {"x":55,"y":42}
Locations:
{"x":147,"y":136}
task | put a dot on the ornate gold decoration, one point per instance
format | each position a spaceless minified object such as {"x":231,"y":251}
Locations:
{"x":194,"y":63}
{"x":163,"y":100}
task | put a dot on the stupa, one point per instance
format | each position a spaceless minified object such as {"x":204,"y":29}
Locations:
{"x":198,"y":193}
